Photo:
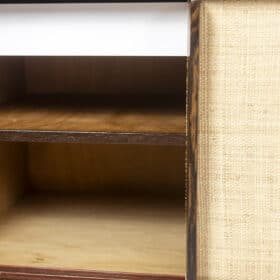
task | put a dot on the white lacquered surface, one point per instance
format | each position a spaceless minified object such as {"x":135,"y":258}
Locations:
{"x":123,"y":29}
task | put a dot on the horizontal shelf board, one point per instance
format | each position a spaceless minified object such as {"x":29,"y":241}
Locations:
{"x":49,"y":120}
{"x":92,"y":137}
{"x":95,"y":29}
{"x":127,"y":234}
{"x":30,"y":273}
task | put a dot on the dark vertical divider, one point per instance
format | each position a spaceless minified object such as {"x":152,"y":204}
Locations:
{"x":192,"y":142}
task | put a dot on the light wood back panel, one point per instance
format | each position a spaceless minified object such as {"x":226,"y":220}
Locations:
{"x":109,"y":168}
{"x":12,"y":173}
{"x":122,"y":234}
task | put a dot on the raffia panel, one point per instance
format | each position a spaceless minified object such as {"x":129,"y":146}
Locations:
{"x":239,"y":141}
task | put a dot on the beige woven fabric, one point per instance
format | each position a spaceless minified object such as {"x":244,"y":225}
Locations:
{"x":239,"y":141}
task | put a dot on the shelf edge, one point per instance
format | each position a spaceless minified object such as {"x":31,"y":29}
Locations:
{"x":173,"y":139}
{"x":30,"y":273}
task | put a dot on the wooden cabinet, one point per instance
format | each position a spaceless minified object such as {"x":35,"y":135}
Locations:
{"x":92,"y":141}
{"x":92,"y":169}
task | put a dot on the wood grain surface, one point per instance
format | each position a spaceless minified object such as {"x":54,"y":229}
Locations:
{"x":65,"y":119}
{"x":12,"y":173}
{"x":117,"y":76}
{"x":12,"y":80}
{"x":34,"y":116}
{"x":161,"y":139}
{"x":140,"y":226}
{"x":126,"y":234}
{"x":136,"y":169}
{"x":192,"y":146}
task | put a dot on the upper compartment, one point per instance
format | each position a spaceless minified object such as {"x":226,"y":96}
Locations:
{"x":93,"y":72}
{"x":136,"y":100}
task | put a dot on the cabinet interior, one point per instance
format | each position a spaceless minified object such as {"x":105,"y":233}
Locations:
{"x":93,"y":206}
{"x":104,"y":94}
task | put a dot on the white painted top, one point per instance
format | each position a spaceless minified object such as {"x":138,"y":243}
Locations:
{"x":123,"y":29}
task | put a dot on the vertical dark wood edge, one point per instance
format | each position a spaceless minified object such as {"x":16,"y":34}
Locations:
{"x":192,"y":142}
{"x":29,"y":273}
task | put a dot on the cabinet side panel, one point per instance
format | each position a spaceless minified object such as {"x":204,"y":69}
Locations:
{"x":239,"y":130}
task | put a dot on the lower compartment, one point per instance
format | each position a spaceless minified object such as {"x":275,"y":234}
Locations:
{"x":117,"y":223}
{"x":115,"y":234}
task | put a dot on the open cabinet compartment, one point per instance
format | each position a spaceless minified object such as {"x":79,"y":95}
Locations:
{"x":93,"y":99}
{"x":92,"y":206}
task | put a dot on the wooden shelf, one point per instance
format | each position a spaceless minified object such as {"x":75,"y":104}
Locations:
{"x":53,"y":121}
{"x":122,"y":234}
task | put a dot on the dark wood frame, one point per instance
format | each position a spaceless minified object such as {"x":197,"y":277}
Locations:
{"x":26,"y":273}
{"x":192,"y":142}
{"x":166,"y":139}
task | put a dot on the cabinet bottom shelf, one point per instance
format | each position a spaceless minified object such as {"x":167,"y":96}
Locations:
{"x":132,"y":235}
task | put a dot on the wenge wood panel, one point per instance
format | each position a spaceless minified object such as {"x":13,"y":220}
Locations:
{"x":28,"y":273}
{"x":149,"y":77}
{"x":92,"y":137}
{"x":192,"y":142}
{"x":12,"y":81}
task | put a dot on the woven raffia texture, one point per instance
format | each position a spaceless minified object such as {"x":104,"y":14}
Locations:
{"x":239,"y":141}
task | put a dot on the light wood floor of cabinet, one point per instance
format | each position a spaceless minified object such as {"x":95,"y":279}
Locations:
{"x":116,"y":234}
